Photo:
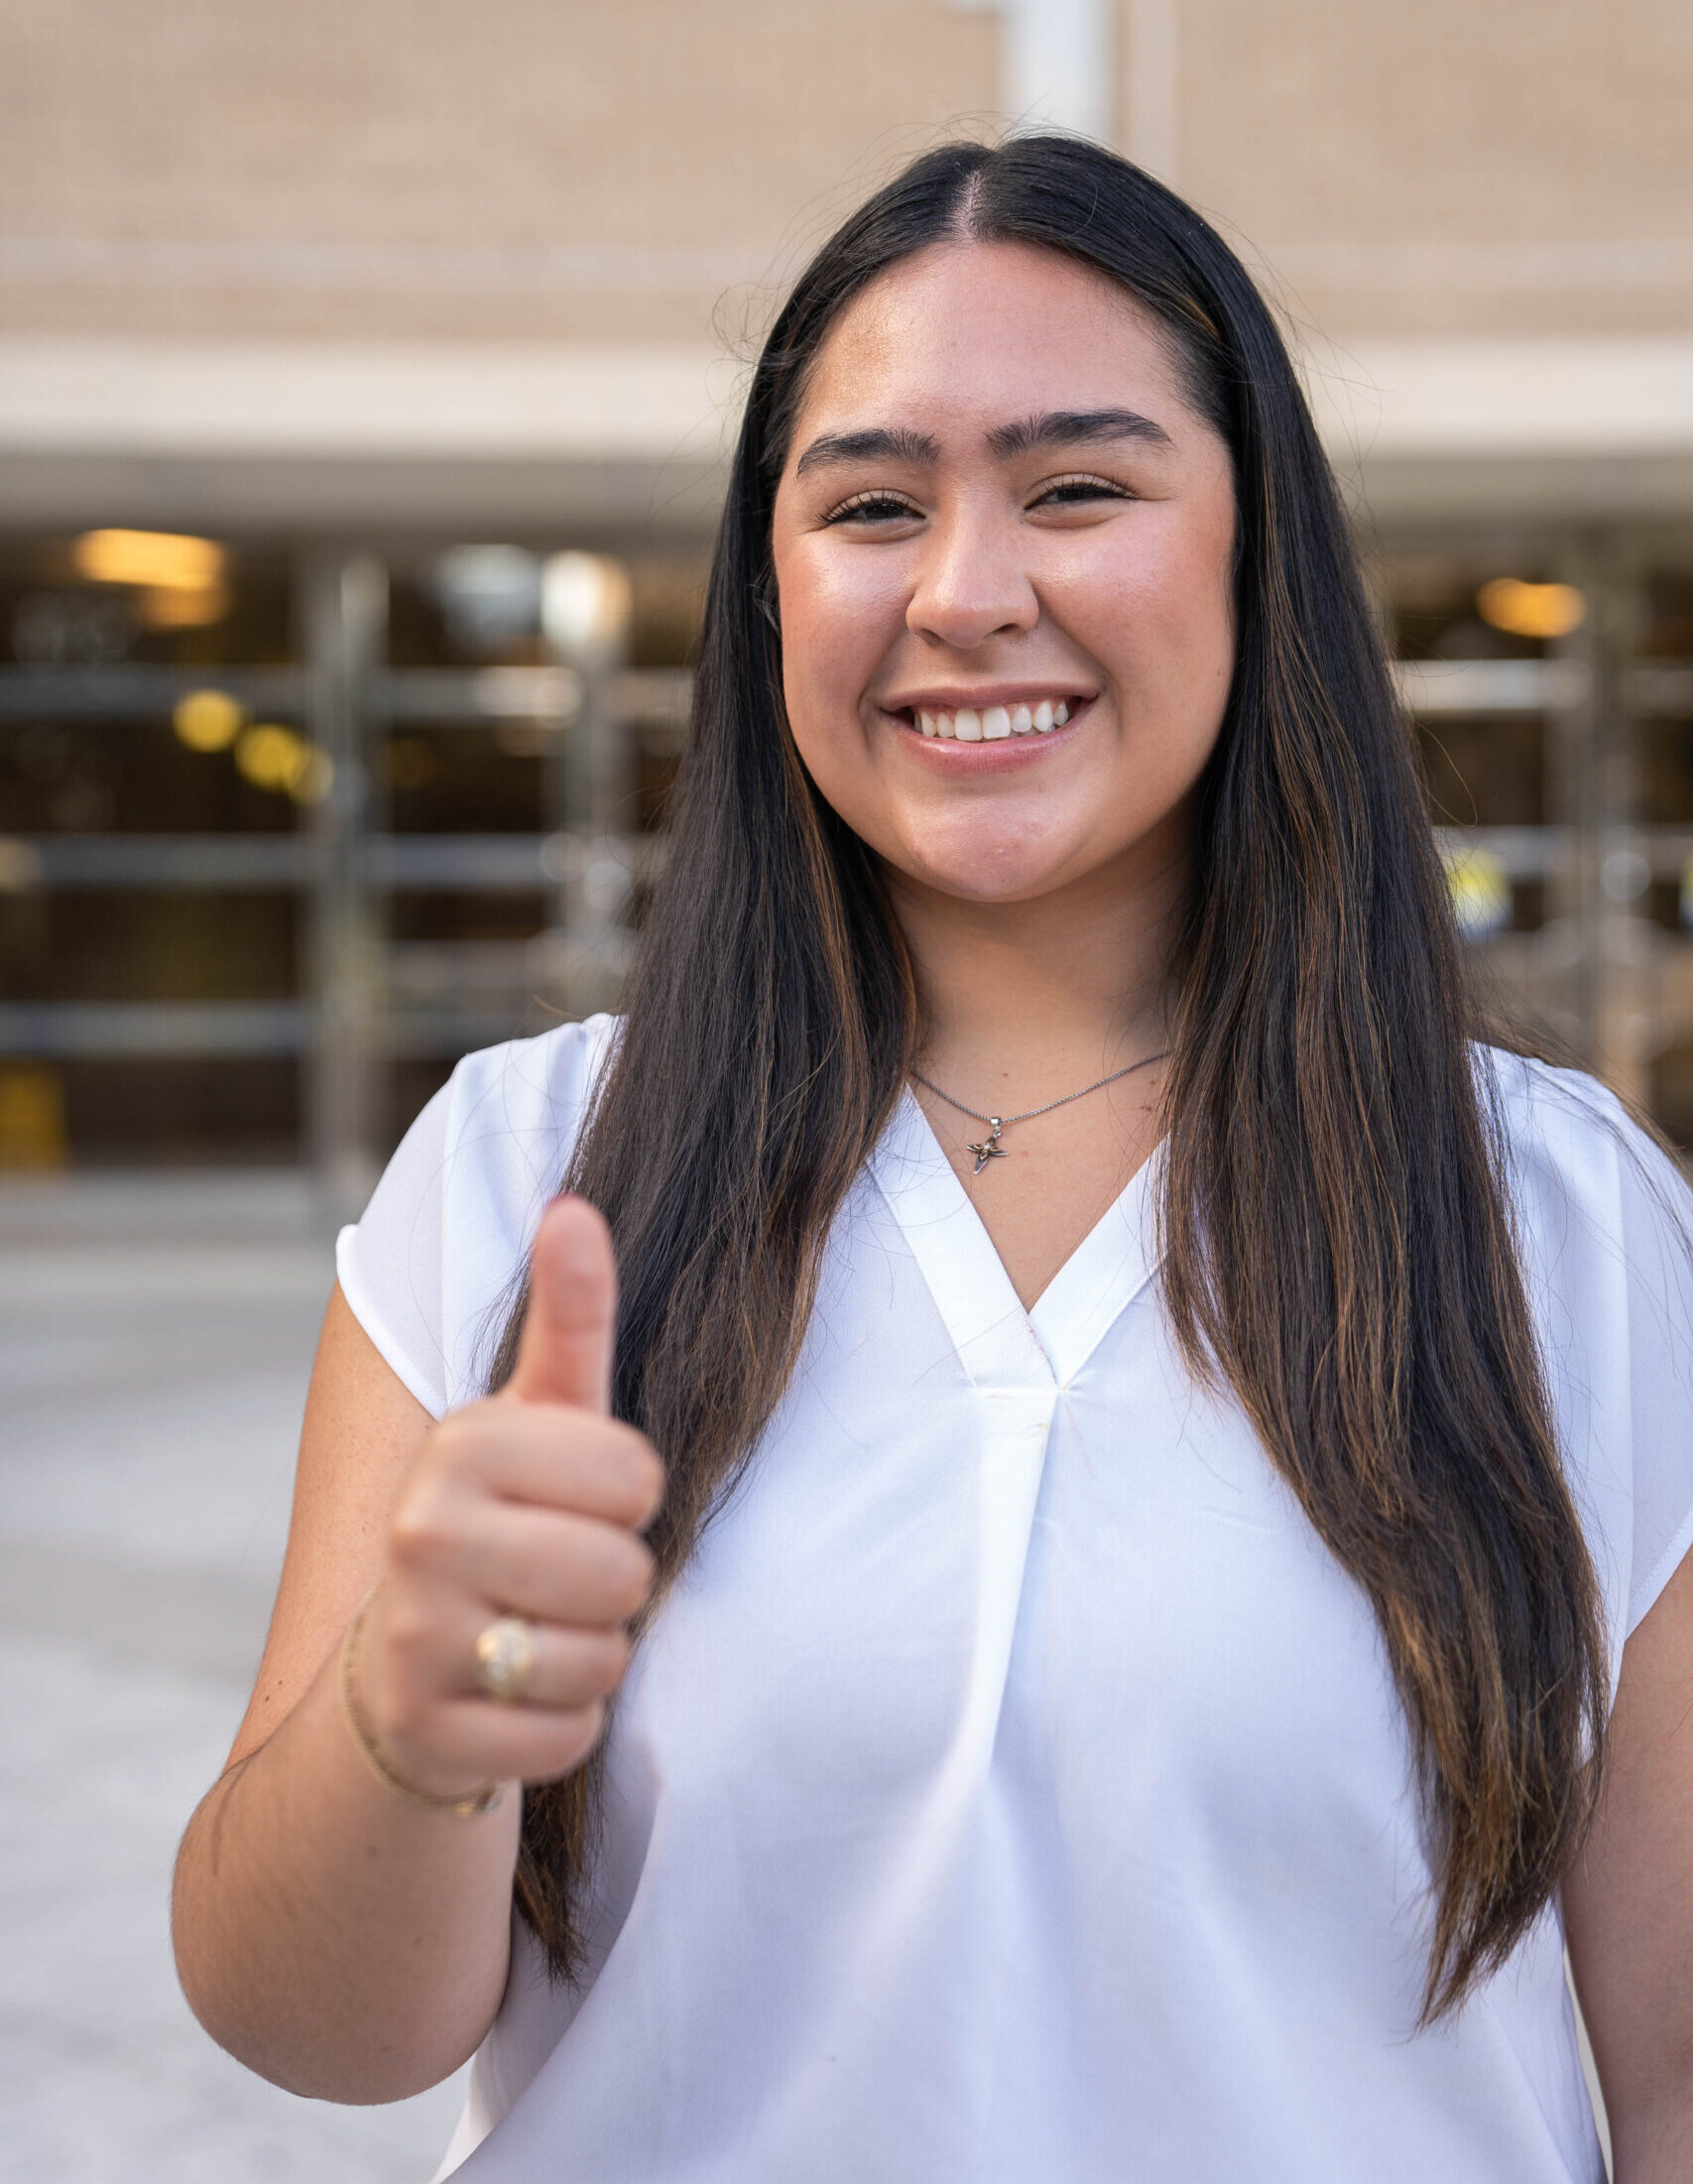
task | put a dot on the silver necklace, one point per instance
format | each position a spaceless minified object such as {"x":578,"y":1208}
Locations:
{"x":991,"y":1149}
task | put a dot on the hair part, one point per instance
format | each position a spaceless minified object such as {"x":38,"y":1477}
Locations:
{"x":1337,"y":1240}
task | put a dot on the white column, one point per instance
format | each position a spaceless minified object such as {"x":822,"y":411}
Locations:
{"x":1057,"y":62}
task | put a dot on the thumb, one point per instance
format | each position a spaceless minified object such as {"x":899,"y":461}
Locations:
{"x":565,"y":1351}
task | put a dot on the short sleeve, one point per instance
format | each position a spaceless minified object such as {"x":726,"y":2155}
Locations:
{"x":433,"y":1264}
{"x":1657,"y":1223}
{"x":1606,"y":1227}
{"x":389,"y":1262}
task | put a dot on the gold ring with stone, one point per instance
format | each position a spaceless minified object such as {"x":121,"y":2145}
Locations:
{"x":505,"y":1658}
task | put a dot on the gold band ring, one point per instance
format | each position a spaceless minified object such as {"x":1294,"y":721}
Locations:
{"x":505,"y":1658}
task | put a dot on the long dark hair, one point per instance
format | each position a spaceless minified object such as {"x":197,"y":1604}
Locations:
{"x":1337,"y":1238}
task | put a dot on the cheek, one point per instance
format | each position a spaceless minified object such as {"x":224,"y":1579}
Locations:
{"x":838,"y":618}
{"x":1157,"y":614}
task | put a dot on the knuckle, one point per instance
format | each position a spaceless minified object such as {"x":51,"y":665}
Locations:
{"x":629,"y":1457}
{"x":468,"y":1445}
{"x":631,"y":1575}
{"x":406,"y":1713}
{"x":569,"y":1742}
{"x":408,"y":1638}
{"x":647,"y":1478}
{"x":424,"y":1534}
{"x":606,"y":1657}
{"x":456,"y":1439}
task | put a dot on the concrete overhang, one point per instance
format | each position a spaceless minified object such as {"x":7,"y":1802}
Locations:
{"x":317,"y":437}
{"x":325,"y":437}
{"x":1547,"y":430}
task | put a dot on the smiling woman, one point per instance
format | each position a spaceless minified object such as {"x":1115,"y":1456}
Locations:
{"x":1008,"y":638}
{"x":1113,"y":1672}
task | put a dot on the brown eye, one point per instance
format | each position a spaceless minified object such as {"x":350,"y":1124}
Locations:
{"x":1074,"y":492}
{"x":871,"y":508}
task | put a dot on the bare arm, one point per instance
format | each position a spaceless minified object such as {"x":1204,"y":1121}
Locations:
{"x":1629,"y":1902}
{"x":335,"y":1936}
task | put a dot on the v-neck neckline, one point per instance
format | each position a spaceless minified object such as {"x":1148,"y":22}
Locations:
{"x":997,"y":1339}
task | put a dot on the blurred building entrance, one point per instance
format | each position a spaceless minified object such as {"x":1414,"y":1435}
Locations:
{"x":284,"y":828}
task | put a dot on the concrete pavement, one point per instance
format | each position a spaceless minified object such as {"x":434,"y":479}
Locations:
{"x":155,"y":1339}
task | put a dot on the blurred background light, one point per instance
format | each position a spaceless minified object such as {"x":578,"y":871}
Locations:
{"x":586,"y":601}
{"x":1625,"y":875}
{"x":209,"y":721}
{"x":489,"y":596}
{"x":1530,"y":610}
{"x":1480,"y":892}
{"x":19,"y":867}
{"x":32,"y":1134}
{"x":276,"y":758}
{"x":164,"y":559}
{"x":184,"y":606}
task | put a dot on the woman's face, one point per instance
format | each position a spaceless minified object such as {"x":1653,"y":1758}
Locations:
{"x":1000,"y":511}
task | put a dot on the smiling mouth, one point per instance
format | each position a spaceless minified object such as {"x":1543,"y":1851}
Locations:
{"x":991,"y":723}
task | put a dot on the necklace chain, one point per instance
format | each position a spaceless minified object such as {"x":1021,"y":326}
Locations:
{"x":991,"y":1149}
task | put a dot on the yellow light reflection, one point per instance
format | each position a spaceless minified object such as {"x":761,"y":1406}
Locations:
{"x":167,"y":608}
{"x":276,"y":759}
{"x":168,"y":559}
{"x":32,"y":1132}
{"x":316,"y":778}
{"x":209,"y":721}
{"x":1530,"y":610}
{"x":1480,"y":892}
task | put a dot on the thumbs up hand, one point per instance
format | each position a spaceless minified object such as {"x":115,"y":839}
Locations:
{"x":527,"y":1506}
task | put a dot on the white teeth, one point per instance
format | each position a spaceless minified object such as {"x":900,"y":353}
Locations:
{"x":991,"y":723}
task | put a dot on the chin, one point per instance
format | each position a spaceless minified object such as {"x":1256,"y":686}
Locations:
{"x":1008,"y":857}
{"x":1005,"y":879}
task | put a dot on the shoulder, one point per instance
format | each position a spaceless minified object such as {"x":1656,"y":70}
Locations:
{"x":1604,"y":1232}
{"x":1572,"y":1147}
{"x":1538,"y":1098}
{"x":508,"y":1124}
{"x":526,"y":1099}
{"x":434,"y":1255}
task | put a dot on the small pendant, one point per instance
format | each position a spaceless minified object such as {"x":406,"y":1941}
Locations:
{"x":989,"y":1149}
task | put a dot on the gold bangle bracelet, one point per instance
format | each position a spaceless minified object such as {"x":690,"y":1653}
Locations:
{"x":479,"y":1800}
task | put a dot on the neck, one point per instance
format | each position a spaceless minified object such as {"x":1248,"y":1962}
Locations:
{"x":1022,"y":1001}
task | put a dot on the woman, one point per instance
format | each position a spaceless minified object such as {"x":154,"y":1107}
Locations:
{"x":1132,"y":1447}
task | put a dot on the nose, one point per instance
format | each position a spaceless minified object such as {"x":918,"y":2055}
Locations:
{"x":971,"y":583}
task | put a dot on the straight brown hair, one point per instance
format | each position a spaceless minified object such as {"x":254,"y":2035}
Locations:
{"x":1337,"y":1236}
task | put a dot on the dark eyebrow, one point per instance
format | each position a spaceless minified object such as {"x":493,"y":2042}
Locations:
{"x":918,"y":451}
{"x":1075,"y":427}
{"x":915,"y":450}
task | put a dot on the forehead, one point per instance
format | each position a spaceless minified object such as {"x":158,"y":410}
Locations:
{"x":970,"y":336}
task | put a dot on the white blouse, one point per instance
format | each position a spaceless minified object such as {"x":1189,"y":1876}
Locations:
{"x":1014,"y":1786}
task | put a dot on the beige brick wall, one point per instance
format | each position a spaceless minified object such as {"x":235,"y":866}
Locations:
{"x":546,"y":171}
{"x":1457,"y":166}
{"x":511,"y":169}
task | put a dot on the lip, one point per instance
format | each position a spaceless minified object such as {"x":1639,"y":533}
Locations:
{"x":945,"y":754}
